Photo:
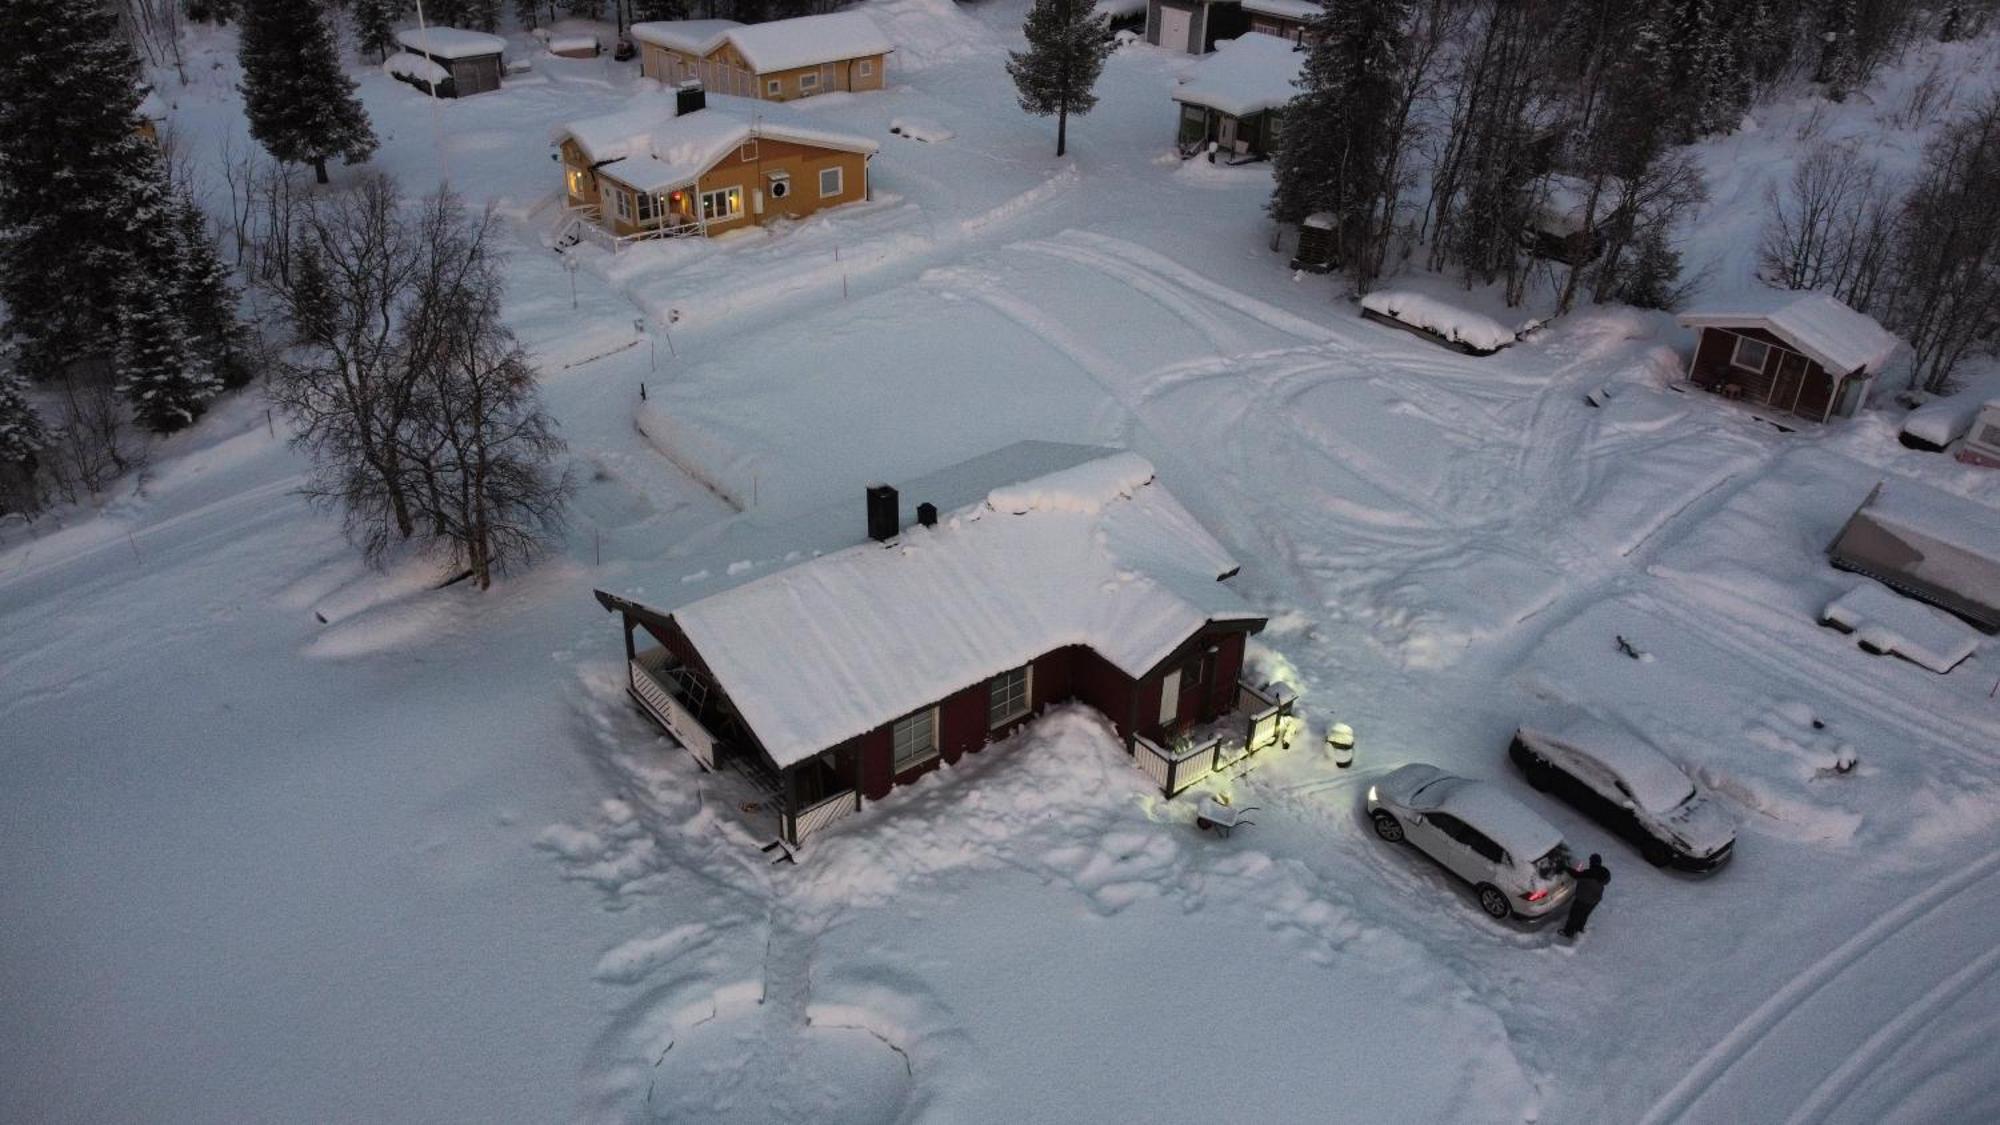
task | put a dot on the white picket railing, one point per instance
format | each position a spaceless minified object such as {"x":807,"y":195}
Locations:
{"x":819,"y":816}
{"x":1152,"y":759}
{"x":652,"y":688}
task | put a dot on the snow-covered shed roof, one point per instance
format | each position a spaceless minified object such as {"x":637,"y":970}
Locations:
{"x":1305,"y":11}
{"x":777,"y":44}
{"x":649,"y":148}
{"x":450,"y":42}
{"x":1831,"y":334}
{"x":1462,"y":326}
{"x":696,"y":37}
{"x":1249,"y":74}
{"x":1116,"y":8}
{"x":1097,"y":553}
{"x":1511,"y":824}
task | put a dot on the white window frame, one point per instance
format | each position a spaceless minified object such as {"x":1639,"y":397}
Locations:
{"x":809,"y":83}
{"x":621,"y":203}
{"x":839,"y":181}
{"x":865,"y":68}
{"x":1026,"y":672}
{"x":773,"y":87}
{"x":722,"y":214}
{"x":917,"y":753}
{"x":1736,"y":356}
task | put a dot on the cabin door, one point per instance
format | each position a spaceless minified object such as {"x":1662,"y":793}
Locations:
{"x":1174,"y":26}
{"x":1170,"y":699}
{"x":1225,"y":134}
{"x":1789,"y":381}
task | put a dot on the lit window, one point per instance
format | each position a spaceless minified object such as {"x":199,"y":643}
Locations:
{"x":914,"y":739}
{"x":830,"y":182}
{"x":1750,"y":354}
{"x":1008,"y":696}
{"x":576,"y":183}
{"x":717,"y":206}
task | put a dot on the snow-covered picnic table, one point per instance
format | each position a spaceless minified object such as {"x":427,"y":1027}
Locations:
{"x":1884,"y":621}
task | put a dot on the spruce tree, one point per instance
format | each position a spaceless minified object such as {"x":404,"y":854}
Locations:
{"x":483,"y":15}
{"x":644,"y":11}
{"x":528,"y":13}
{"x":1067,"y":45}
{"x":160,"y":371}
{"x":1333,"y":156}
{"x":208,"y":297}
{"x":375,"y":26}
{"x":301,"y":106}
{"x":22,"y":436}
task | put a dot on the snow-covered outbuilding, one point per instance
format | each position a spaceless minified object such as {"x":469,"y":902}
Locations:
{"x":448,"y":61}
{"x":1234,"y":99}
{"x":682,"y":162}
{"x":1798,"y":353}
{"x":775,"y":61}
{"x":1982,"y":439}
{"x":1037,"y":574}
{"x":1929,"y":544}
{"x":1193,"y":26}
{"x":1285,"y":19}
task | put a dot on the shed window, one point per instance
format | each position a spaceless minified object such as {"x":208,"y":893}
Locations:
{"x":914,"y":739}
{"x":773,"y":87}
{"x":830,"y":182}
{"x":808,"y":83}
{"x":865,"y":68}
{"x":717,"y":206}
{"x":1750,"y":354}
{"x":1008,"y":696}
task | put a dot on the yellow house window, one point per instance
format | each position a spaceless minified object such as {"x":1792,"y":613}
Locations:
{"x":718,"y":206}
{"x":576,"y":183}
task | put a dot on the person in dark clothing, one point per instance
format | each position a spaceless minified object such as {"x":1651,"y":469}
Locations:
{"x":1590,"y":884}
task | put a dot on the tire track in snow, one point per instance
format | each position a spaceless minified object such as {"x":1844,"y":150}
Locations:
{"x":1164,"y":267}
{"x":1163,"y":293}
{"x":1719,"y":1060}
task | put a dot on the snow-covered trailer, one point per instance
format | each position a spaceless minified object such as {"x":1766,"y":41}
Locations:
{"x":1931,"y":545}
{"x":862,"y":668}
{"x":464,"y":62}
{"x":1982,"y":438}
{"x":1934,"y":425}
{"x":1799,"y":353}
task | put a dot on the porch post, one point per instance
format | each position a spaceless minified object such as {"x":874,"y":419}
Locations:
{"x":854,"y":774}
{"x":788,"y":789}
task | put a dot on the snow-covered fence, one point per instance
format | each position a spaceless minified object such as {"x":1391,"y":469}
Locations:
{"x":801,"y":825}
{"x":1268,"y":713}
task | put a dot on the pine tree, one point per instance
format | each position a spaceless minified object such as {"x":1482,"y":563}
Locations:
{"x":22,"y":436}
{"x":301,"y":106}
{"x":375,"y":26}
{"x":482,"y":15}
{"x":1338,"y":131}
{"x":1839,"y":65}
{"x":208,"y":297}
{"x":1067,"y":45}
{"x":528,"y":13}
{"x":648,"y":10}
{"x":446,"y":13}
{"x":160,"y":371}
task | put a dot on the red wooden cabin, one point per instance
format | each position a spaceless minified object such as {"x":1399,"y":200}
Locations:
{"x":1802,"y":354}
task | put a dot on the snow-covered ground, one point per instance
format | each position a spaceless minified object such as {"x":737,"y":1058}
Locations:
{"x":285,"y":839}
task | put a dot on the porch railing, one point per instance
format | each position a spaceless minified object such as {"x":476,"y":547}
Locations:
{"x":655,"y":691}
{"x":1268,"y":716}
{"x":802,"y":825}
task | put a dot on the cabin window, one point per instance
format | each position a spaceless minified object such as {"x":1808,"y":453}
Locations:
{"x":865,"y":68}
{"x":576,"y":182}
{"x":749,"y":150}
{"x":1750,"y":354}
{"x":773,"y":87}
{"x":1008,"y":696}
{"x":649,"y":207}
{"x":830,"y":182}
{"x":621,"y":204}
{"x":1194,"y":124}
{"x":914,"y":739}
{"x":717,"y":206}
{"x":808,"y":83}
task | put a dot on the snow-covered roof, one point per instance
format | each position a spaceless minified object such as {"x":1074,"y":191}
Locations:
{"x":649,"y":148}
{"x":1249,"y":74}
{"x":1834,"y":336}
{"x":696,"y":37}
{"x":1944,"y":420}
{"x":1096,"y":554}
{"x":1449,"y":321}
{"x":1655,"y":781}
{"x":403,"y":64}
{"x":1511,"y":824}
{"x":1305,"y":11}
{"x":450,"y":42}
{"x":1893,"y":623}
{"x":776,"y":45}
{"x":1931,"y":517}
{"x":1117,"y":8}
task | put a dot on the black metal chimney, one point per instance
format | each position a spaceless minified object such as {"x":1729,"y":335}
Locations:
{"x":689,"y":97}
{"x":927,"y":514}
{"x":884,"y":517}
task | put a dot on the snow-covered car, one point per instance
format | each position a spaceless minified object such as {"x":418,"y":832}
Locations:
{"x":1629,"y":786}
{"x":1516,"y":862}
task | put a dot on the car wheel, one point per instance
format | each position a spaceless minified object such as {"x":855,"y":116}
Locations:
{"x":1388,"y":827}
{"x":1656,"y":853}
{"x":1493,"y":901}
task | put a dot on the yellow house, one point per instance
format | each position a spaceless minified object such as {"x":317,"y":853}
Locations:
{"x":775,"y":61}
{"x":685,"y":164}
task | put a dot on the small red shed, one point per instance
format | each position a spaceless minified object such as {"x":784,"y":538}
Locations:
{"x":840,"y":677}
{"x":1803,"y":354}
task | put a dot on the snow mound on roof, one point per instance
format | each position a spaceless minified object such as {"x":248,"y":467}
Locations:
{"x":809,"y":41}
{"x":650,"y":148}
{"x":1113,"y":9}
{"x":1303,"y":10}
{"x":836,"y":646}
{"x":928,"y":33}
{"x":1460,"y":326}
{"x":450,"y":42}
{"x":1249,"y":74}
{"x":697,"y":37}
{"x":1086,"y":488}
{"x":1889,"y":622}
{"x":1835,"y":336}
{"x":1928,"y":519}
{"x":417,"y":68}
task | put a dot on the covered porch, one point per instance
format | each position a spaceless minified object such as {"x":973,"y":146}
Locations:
{"x":1259,"y":719}
{"x":1236,"y":140}
{"x":1758,"y":369}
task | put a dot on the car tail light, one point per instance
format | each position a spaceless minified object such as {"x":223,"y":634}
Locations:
{"x":1537,"y":895}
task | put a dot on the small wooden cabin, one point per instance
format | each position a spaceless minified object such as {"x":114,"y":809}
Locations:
{"x":687,"y":164}
{"x":448,"y":61}
{"x":1193,"y":26}
{"x":1232,"y":102}
{"x":1076,"y":577}
{"x":775,"y":61}
{"x":1283,"y":19}
{"x":1800,"y":354}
